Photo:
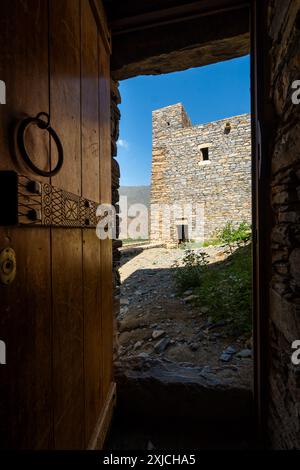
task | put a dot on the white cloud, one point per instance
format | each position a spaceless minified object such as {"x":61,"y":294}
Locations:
{"x":123,"y":143}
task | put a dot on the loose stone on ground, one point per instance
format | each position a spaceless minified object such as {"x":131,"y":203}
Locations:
{"x":155,"y":321}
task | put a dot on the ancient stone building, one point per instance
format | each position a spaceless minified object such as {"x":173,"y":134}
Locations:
{"x":57,"y":313}
{"x":203,"y":172}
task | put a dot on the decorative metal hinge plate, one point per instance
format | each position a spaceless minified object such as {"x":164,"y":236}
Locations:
{"x":30,"y":202}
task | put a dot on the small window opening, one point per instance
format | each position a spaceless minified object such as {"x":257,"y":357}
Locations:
{"x":205,"y":154}
{"x":227,"y":128}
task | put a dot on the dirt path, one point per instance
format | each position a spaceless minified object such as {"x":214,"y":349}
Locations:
{"x":155,"y":322}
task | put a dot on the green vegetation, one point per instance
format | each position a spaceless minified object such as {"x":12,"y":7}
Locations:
{"x":192,"y":245}
{"x":131,"y":241}
{"x":190,"y":274}
{"x":232,"y":234}
{"x":224,"y":288}
{"x":212,"y":242}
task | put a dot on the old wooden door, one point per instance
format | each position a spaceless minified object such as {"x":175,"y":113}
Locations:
{"x":56,"y":316}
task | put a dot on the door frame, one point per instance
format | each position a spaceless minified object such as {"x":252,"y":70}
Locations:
{"x":262,"y":124}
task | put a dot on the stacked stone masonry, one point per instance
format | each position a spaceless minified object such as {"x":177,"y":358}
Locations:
{"x":115,"y":178}
{"x":284,"y":377}
{"x":181,"y":175}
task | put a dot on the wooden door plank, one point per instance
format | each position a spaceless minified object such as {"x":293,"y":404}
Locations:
{"x":102,"y":427}
{"x":68,"y":373}
{"x":101,"y":20}
{"x":67,"y":339}
{"x":105,"y":192}
{"x":91,"y":244}
{"x":25,"y":317}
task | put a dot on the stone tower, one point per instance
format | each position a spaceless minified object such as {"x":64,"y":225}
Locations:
{"x":201,"y":175}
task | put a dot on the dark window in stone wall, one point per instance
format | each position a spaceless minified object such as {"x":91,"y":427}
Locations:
{"x":205,"y":153}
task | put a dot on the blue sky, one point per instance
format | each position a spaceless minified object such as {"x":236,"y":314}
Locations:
{"x":208,"y":93}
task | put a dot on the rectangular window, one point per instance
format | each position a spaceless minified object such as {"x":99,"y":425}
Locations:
{"x":205,"y":153}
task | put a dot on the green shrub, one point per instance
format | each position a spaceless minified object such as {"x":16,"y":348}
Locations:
{"x":226,"y":290}
{"x":189,"y":275}
{"x":232,"y":234}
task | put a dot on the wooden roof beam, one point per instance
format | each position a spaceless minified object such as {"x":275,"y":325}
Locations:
{"x":178,"y":13}
{"x":181,"y":45}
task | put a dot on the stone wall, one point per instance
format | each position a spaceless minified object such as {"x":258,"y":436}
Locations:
{"x":284,"y":377}
{"x":115,"y":120}
{"x":180,"y":175}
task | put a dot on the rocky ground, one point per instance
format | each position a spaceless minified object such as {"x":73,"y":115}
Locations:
{"x":155,"y":324}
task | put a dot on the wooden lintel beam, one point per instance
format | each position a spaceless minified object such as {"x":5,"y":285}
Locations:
{"x":178,"y":46}
{"x":174,"y":14}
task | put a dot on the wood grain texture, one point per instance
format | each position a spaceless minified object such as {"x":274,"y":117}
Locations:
{"x":101,"y":20}
{"x":25,"y":307}
{"x":56,"y":318}
{"x":68,"y":363}
{"x":105,"y":193}
{"x":103,"y":424}
{"x":91,"y":244}
{"x":68,"y":375}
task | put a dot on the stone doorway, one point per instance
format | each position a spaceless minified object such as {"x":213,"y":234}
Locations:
{"x":214,"y":41}
{"x":182,"y":233}
{"x":163,"y":345}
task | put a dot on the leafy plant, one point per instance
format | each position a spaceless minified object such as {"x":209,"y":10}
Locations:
{"x":190,"y":272}
{"x":232,"y":234}
{"x":225,"y":289}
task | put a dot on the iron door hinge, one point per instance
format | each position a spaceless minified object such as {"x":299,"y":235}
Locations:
{"x":28,"y":202}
